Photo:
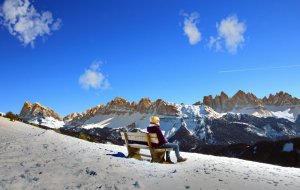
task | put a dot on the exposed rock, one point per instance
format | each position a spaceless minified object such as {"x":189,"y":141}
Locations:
{"x":208,"y":101}
{"x":281,"y":99}
{"x":134,"y":105}
{"x":223,"y":103}
{"x":78,"y":119}
{"x":198,"y":103}
{"x":33,"y":110}
{"x":117,"y":106}
{"x":120,"y":106}
{"x":119,"y":102}
{"x":144,"y":105}
{"x":71,"y":117}
{"x":242,"y":100}
{"x":163,"y":108}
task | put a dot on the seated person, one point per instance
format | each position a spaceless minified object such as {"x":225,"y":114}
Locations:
{"x":154,"y":127}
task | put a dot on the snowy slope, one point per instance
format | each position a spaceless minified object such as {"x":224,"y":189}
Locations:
{"x":33,"y":158}
{"x":48,"y":121}
{"x":285,"y":112}
{"x":169,"y":124}
{"x":205,"y":123}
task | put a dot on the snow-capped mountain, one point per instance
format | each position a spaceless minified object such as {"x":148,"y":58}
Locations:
{"x":280,"y":105}
{"x":221,"y":120}
{"x":39,"y":114}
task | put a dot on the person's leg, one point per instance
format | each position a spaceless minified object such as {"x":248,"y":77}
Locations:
{"x":167,"y":154}
{"x":175,"y":148}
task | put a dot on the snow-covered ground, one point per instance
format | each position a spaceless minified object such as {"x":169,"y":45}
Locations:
{"x":48,"y":121}
{"x":33,"y":158}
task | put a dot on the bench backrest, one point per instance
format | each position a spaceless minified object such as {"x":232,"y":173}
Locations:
{"x":139,"y":137}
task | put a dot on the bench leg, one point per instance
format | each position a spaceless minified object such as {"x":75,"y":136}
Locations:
{"x":134,"y":153}
{"x":158,"y":157}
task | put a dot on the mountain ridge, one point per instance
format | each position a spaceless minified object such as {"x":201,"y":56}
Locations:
{"x":249,"y":120}
{"x":220,"y":103}
{"x":224,"y":103}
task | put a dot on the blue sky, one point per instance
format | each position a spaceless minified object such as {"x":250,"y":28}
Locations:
{"x":88,"y":52}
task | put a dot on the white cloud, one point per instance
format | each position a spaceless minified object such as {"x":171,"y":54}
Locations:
{"x":25,"y":22}
{"x":190,"y":27}
{"x":230,"y":34}
{"x":94,"y":78}
{"x":215,"y":42}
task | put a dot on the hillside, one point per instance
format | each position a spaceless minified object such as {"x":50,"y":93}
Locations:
{"x":34,"y":158}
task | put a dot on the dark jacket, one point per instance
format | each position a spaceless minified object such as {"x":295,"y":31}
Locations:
{"x":153,"y":128}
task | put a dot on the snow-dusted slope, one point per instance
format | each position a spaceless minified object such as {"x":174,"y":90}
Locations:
{"x":141,"y":120}
{"x":285,"y":112}
{"x":48,"y":122}
{"x":33,"y":158}
{"x":202,"y":121}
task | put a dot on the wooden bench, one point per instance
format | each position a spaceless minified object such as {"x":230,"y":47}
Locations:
{"x":157,"y":154}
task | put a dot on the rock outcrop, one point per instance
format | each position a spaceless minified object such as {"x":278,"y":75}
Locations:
{"x":163,"y":108}
{"x":144,"y":105}
{"x":223,"y":103}
{"x":281,"y":99}
{"x":30,"y":111}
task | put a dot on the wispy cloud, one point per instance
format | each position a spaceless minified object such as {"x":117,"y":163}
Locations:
{"x":24,"y":22}
{"x":230,"y":34}
{"x":190,"y":27}
{"x":259,"y":68}
{"x":94,"y":78}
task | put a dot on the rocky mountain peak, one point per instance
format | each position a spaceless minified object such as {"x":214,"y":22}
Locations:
{"x":163,"y":108}
{"x":241,"y":99}
{"x":145,"y":101}
{"x":240,"y":93}
{"x":70,"y":116}
{"x":225,"y":96}
{"x":223,"y":103}
{"x":198,"y":103}
{"x":144,"y":105}
{"x":134,"y":105}
{"x":281,"y":99}
{"x":33,"y":110}
{"x":119,"y":102}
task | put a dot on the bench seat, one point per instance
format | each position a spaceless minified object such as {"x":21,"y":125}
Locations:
{"x":142,"y":146}
{"x":157,"y":154}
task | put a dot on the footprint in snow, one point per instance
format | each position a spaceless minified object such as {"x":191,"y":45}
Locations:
{"x":136,"y":184}
{"x":90,"y":172}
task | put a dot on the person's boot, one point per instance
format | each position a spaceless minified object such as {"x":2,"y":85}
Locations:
{"x":181,"y":159}
{"x":169,"y":161}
